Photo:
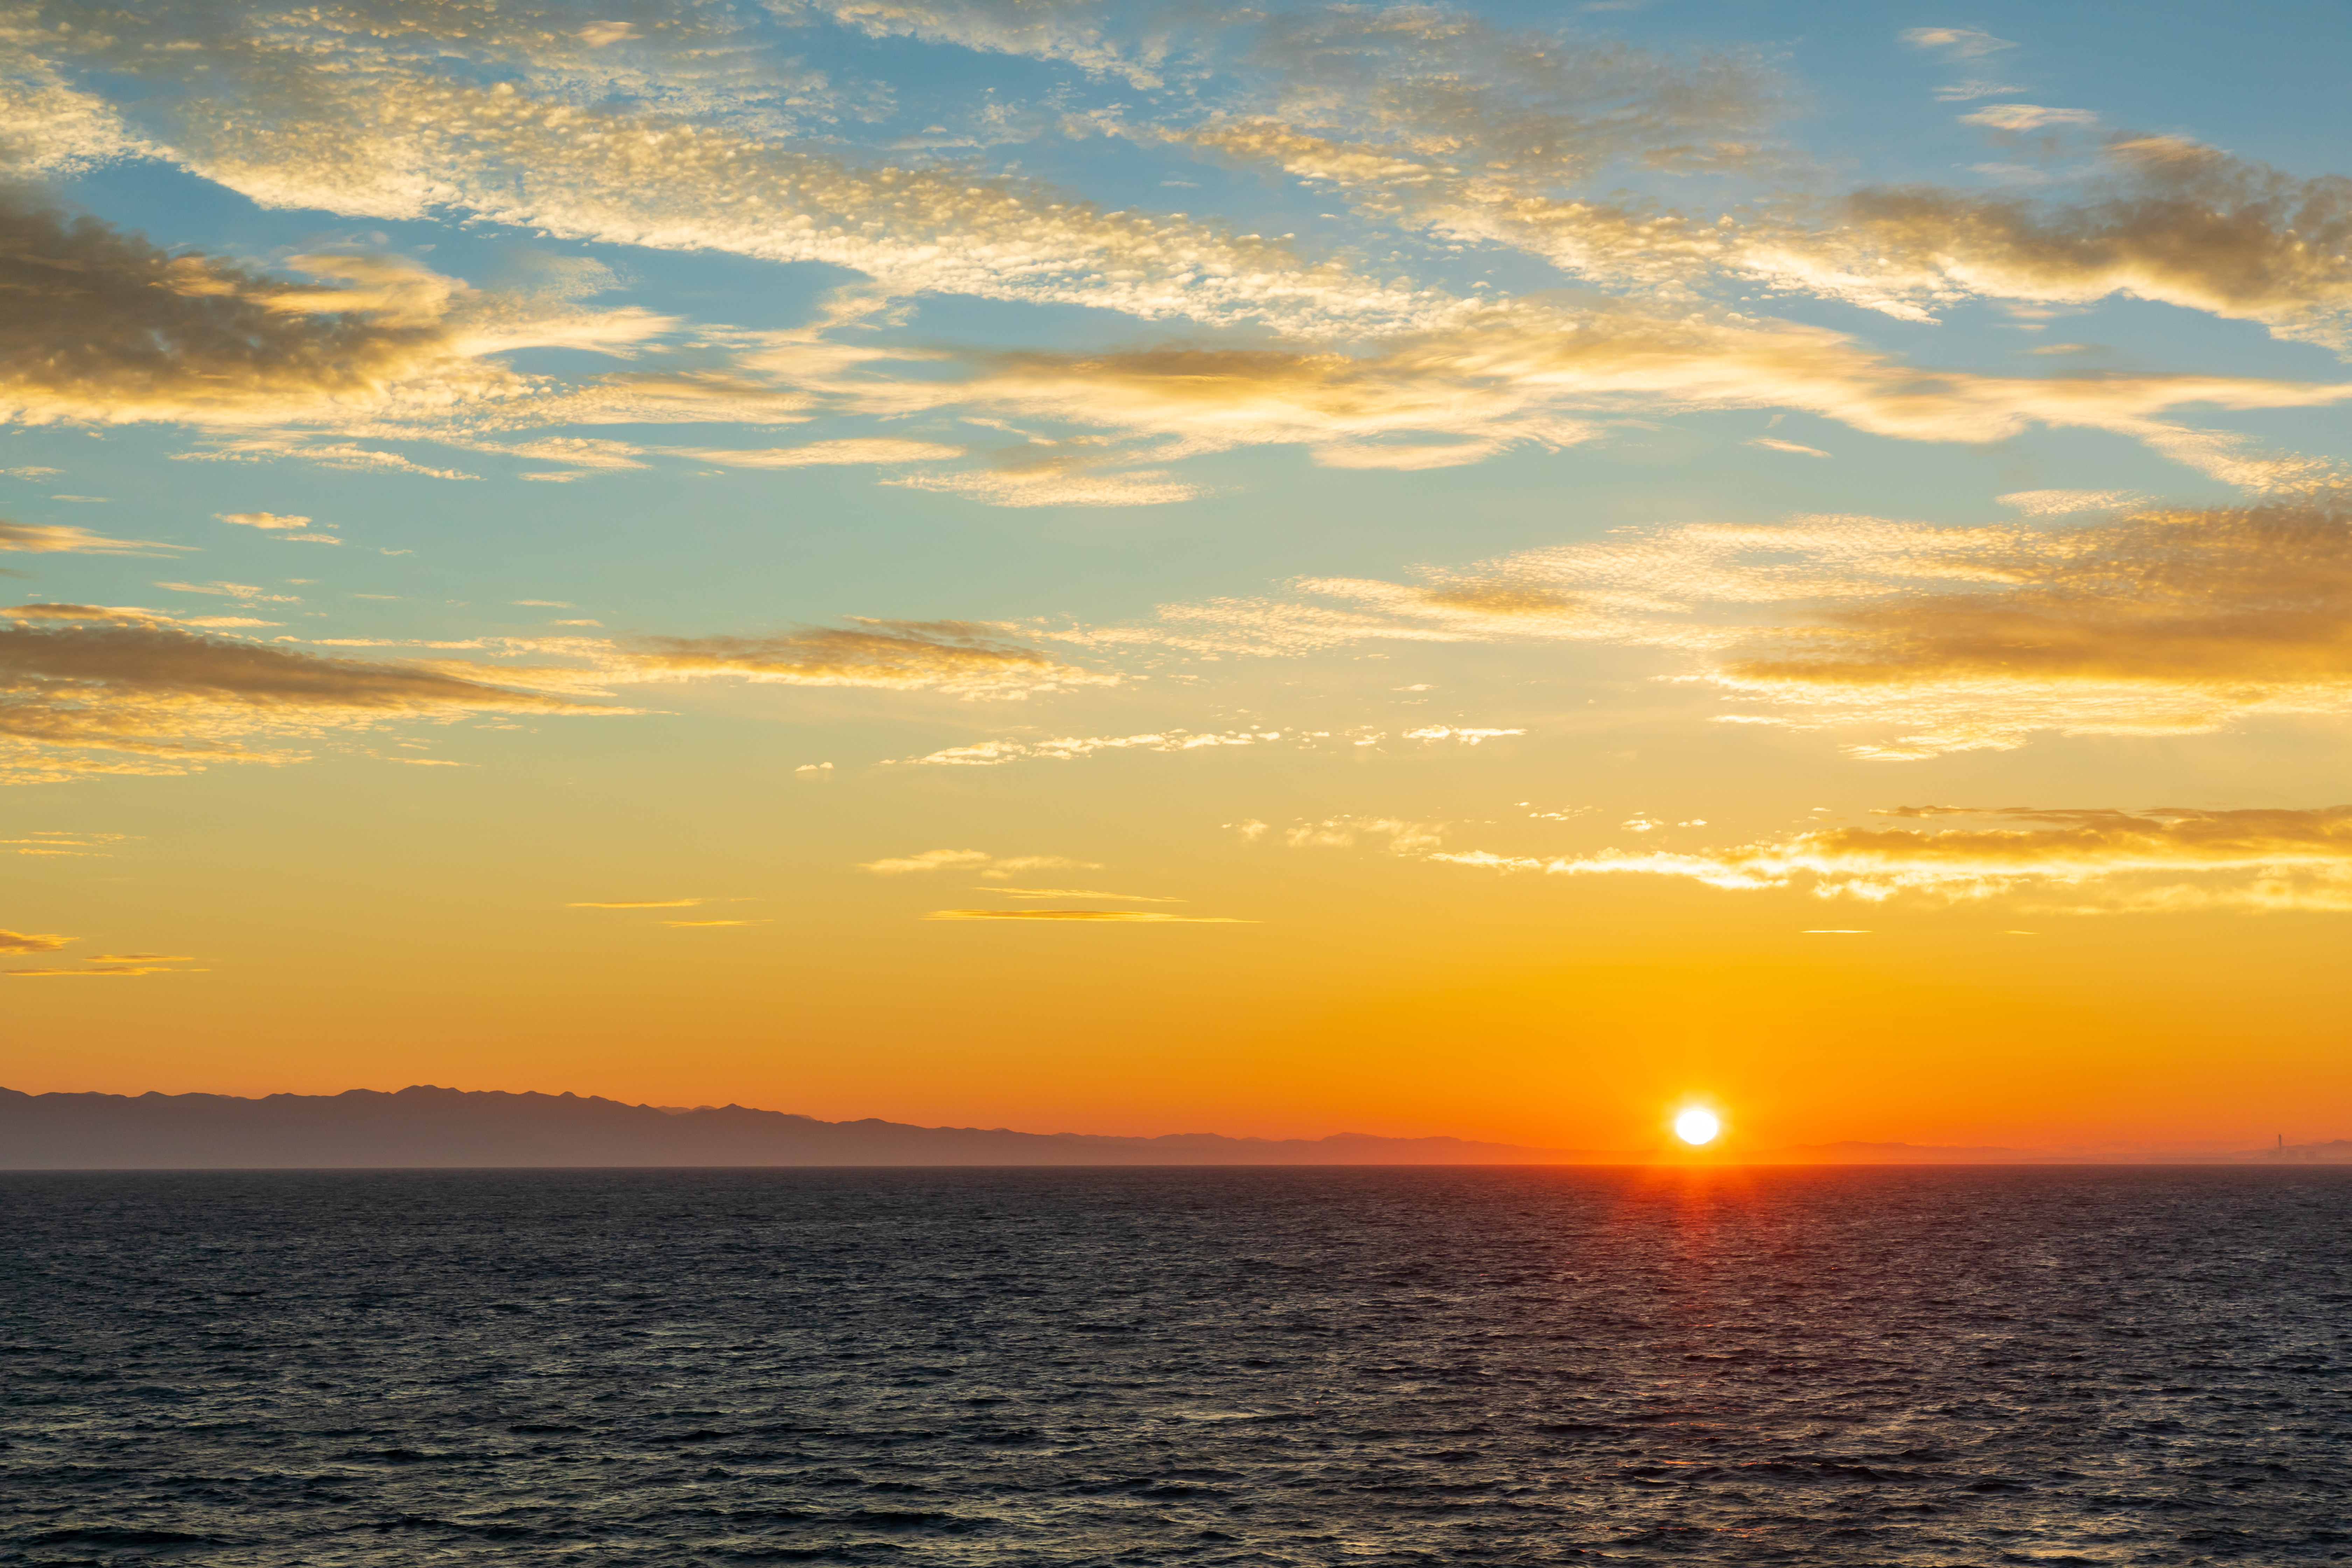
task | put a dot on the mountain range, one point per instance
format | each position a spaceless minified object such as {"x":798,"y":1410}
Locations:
{"x":425,"y":1126}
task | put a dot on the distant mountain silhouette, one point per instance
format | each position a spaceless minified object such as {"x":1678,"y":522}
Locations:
{"x":429,"y":1127}
{"x":425,"y":1126}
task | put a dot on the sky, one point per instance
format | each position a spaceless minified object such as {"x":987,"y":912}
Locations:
{"x":1503,"y":571}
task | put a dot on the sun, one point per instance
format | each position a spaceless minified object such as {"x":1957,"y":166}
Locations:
{"x":1697,"y":1125}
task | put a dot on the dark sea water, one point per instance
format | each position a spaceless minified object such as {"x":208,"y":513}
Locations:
{"x":1154,"y":1367}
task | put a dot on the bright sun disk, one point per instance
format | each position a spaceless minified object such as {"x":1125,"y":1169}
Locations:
{"x":1696,"y":1126}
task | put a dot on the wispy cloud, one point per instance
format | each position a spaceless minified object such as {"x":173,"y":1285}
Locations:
{"x":116,"y":965}
{"x":978,"y":860}
{"x":2027,"y":116}
{"x":1956,"y":43}
{"x":1129,"y":917}
{"x":850,"y":449}
{"x":2088,"y":860}
{"x":1069,"y":748}
{"x":1079,"y":893}
{"x":2164,"y":219}
{"x":958,"y":656}
{"x":1402,"y":838}
{"x":245,"y":593}
{"x":46,"y":843}
{"x":2156,"y":621}
{"x":121,"y":697}
{"x":47,"y":538}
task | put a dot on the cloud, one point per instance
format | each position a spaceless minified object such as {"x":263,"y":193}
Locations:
{"x":1467,"y":737}
{"x":1959,"y":43}
{"x":1965,"y":91}
{"x":245,"y":593}
{"x":582,"y":452}
{"x":1341,"y":833}
{"x":852,"y":449}
{"x":50,"y":842}
{"x":130,"y":614}
{"x":2161,"y":620}
{"x":1068,"y":30}
{"x":119,"y":965}
{"x":2088,"y":860}
{"x":2056,"y":503}
{"x":42,"y":538}
{"x":1056,"y":483}
{"x":1774,"y":445}
{"x":1131,"y":917}
{"x":1080,"y":894}
{"x":24,"y":942}
{"x":1437,"y":87}
{"x":118,"y":697}
{"x":958,"y":656}
{"x":2027,"y":116}
{"x":295,"y":528}
{"x":411,"y":140}
{"x":1069,"y":748}
{"x":978,"y":860}
{"x":1526,"y":374}
{"x":2164,"y":621}
{"x":995,"y":753}
{"x":343,"y":455}
{"x":2163,"y":219}
{"x":103,"y":326}
{"x":106,"y":327}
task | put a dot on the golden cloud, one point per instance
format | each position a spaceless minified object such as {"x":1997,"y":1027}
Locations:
{"x":32,"y":942}
{"x":980,"y":860}
{"x":2268,"y":858}
{"x":1081,"y":893}
{"x":119,"y":965}
{"x":102,"y":325}
{"x":2162,"y":620}
{"x":1517,"y":374}
{"x":850,"y":449}
{"x":958,"y":656}
{"x":2257,"y":595}
{"x":1072,"y":30}
{"x":126,"y":614}
{"x":1131,"y":917}
{"x":46,"y":538}
{"x":2165,"y":621}
{"x":164,"y":699}
{"x":2171,"y":221}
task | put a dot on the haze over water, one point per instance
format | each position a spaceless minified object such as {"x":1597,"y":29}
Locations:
{"x":1153,"y":1366}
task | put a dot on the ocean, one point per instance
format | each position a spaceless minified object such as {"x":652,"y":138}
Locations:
{"x":1244,"y":1366}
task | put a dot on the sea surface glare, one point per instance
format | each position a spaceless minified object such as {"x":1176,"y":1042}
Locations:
{"x":947,"y":1367}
